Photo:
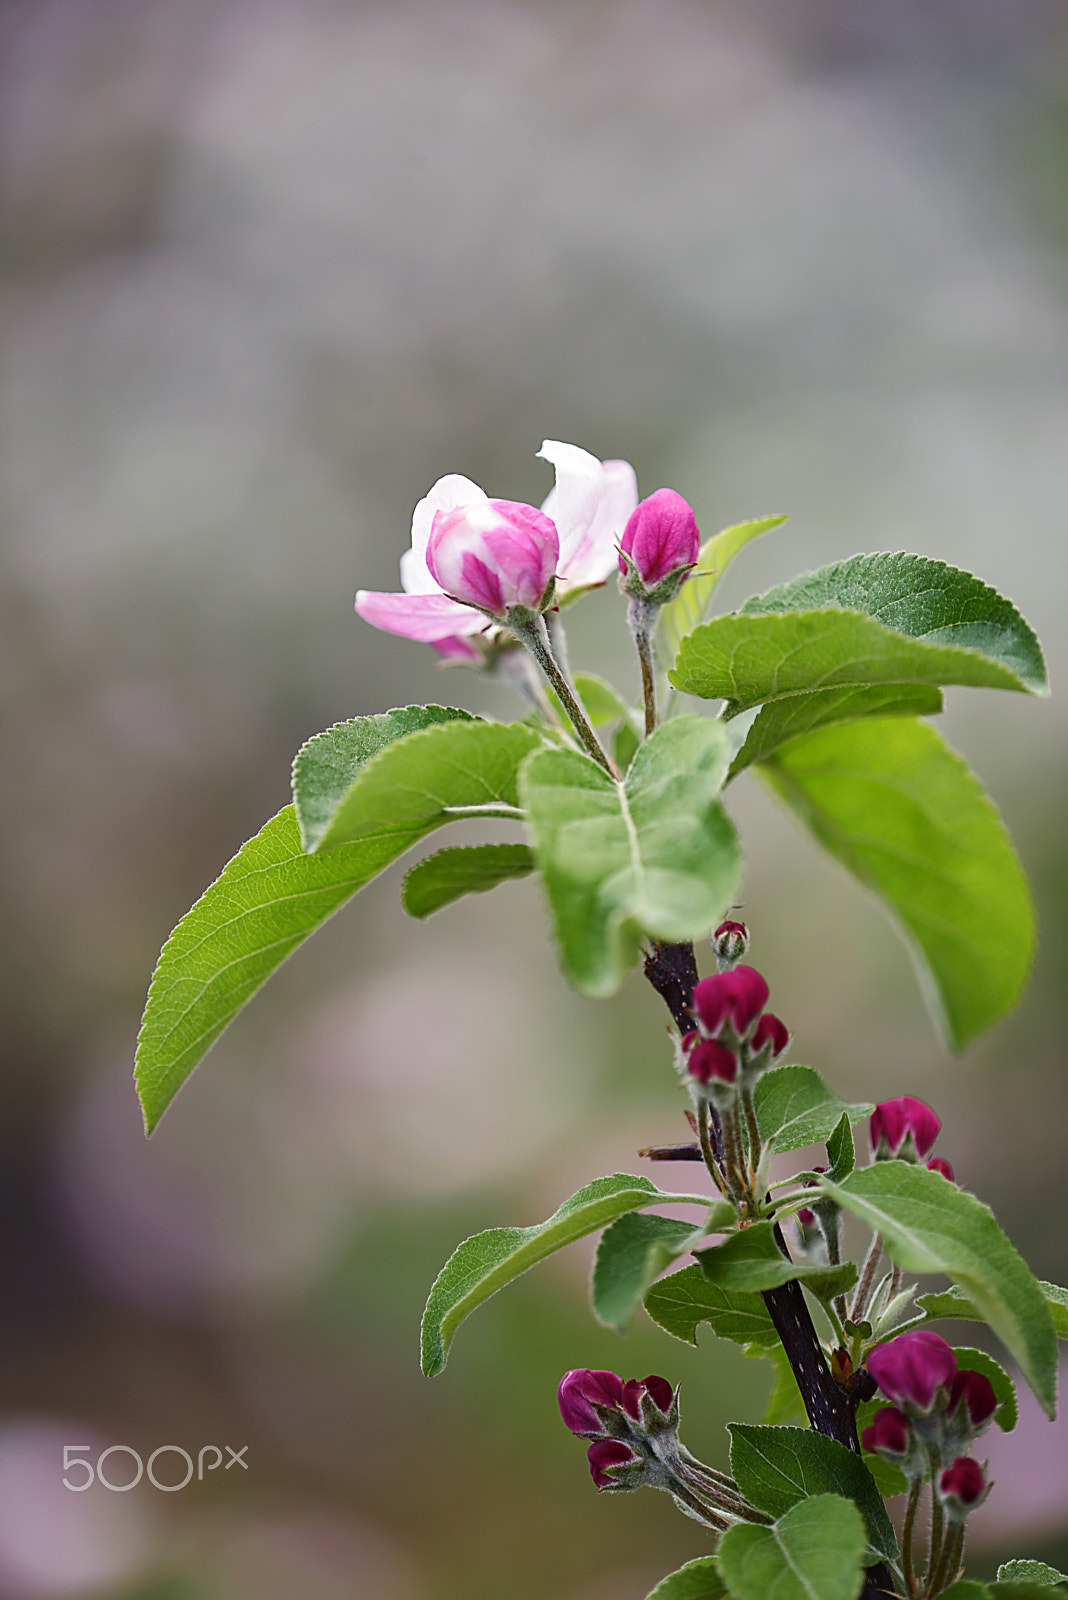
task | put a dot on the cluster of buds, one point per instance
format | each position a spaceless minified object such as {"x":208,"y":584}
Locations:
{"x":938,"y":1411}
{"x":735,"y":1038}
{"x":634,"y":1428}
{"x":905,"y":1130}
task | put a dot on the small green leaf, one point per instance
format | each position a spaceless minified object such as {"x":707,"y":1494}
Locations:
{"x":903,"y":812}
{"x":265,"y":902}
{"x":326,"y":765}
{"x":486,"y":1262}
{"x":783,"y":720}
{"x":965,"y":1589}
{"x":1032,"y":1572}
{"x":872,"y":619}
{"x":603,"y":702}
{"x":440,"y":879}
{"x":655,"y":856}
{"x":632,"y":1252}
{"x":680,"y":1303}
{"x":697,"y":1580}
{"x":971,"y":1360}
{"x":750,"y":1261}
{"x":777,"y":1467}
{"x":954,"y":1303}
{"x":841,"y":1152}
{"x":689,"y":606}
{"x":814,"y":1552}
{"x":928,"y":1225}
{"x":430,"y":777}
{"x":795,"y":1108}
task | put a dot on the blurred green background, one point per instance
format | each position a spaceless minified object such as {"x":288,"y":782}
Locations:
{"x":267,"y":269}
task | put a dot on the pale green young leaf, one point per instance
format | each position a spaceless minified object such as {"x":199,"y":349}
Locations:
{"x":906,"y":816}
{"x":265,"y":902}
{"x":954,"y":1303}
{"x":447,"y":875}
{"x":966,"y":1589}
{"x":326,"y":765}
{"x":691,"y":603}
{"x":776,"y":724}
{"x":682,"y":1302}
{"x":750,"y":1261}
{"x":970,"y":1359}
{"x":929,"y":1225}
{"x":603,"y":702}
{"x":841,"y":1152}
{"x":486,"y":1262}
{"x":777,"y":1467}
{"x":697,"y":1580}
{"x":1031,"y":1572}
{"x":813,"y":1552}
{"x":632,"y":1252}
{"x":433,"y":776}
{"x":795,"y":1108}
{"x":655,"y":856}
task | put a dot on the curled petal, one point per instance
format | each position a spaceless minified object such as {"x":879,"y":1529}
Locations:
{"x":426,"y":618}
{"x":590,"y":505}
{"x":448,"y":494}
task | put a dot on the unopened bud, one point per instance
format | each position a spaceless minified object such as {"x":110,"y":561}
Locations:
{"x":580,"y":1392}
{"x":737,"y":997}
{"x":889,"y":1433}
{"x":940,"y":1164}
{"x":606,"y":1457}
{"x":974,"y":1395}
{"x":914,"y":1370}
{"x":903,"y":1130}
{"x":771,"y":1035}
{"x":659,"y":1391}
{"x":729,"y":944}
{"x":659,"y":547}
{"x":961,"y":1488}
{"x":708,"y":1060}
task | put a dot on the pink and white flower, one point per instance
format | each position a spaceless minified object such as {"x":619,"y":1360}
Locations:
{"x":469,"y":551}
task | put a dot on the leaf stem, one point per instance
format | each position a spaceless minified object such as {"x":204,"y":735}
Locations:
{"x":867,"y":1279}
{"x":706,"y":1148}
{"x":642,"y":617}
{"x":530,"y":629}
{"x":907,"y":1534}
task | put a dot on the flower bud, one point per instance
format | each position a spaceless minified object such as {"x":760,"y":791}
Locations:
{"x":579,"y":1392}
{"x":729,"y":944}
{"x":710,"y":1060}
{"x":604,"y":1455}
{"x":961,"y":1488}
{"x":658,"y":1390}
{"x":659,"y":546}
{"x":902,"y":1129}
{"x":914,"y":1370}
{"x":940,"y":1164}
{"x":493,"y":555}
{"x":974,"y":1395}
{"x":889,"y":1434}
{"x":770,"y":1033}
{"x":807,"y":1216}
{"x":738,"y":997}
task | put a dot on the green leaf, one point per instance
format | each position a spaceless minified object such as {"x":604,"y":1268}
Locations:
{"x":603,"y":702}
{"x":971,"y":1360}
{"x":785,"y":1403}
{"x":966,"y":1589}
{"x":777,"y":1467}
{"x":486,"y":1262}
{"x":632,"y":1252}
{"x":795,"y":1108}
{"x":697,"y":1580}
{"x":265,"y":902}
{"x":1032,"y":1572}
{"x":954,"y":1303}
{"x":683,"y":613}
{"x":903,"y":812}
{"x":655,"y":856}
{"x":841,"y":1152}
{"x":680,"y":1303}
{"x":750,"y":1261}
{"x":430,"y":777}
{"x":812,"y":1553}
{"x":872,"y":619}
{"x":325,"y":766}
{"x":928,"y":1225}
{"x":1022,"y":1589}
{"x":783,"y":720}
{"x":465,"y":869}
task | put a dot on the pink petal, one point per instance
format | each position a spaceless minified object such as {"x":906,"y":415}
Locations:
{"x":423,"y":617}
{"x":446,"y":495}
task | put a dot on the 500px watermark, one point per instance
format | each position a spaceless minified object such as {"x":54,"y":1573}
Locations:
{"x":208,"y":1459}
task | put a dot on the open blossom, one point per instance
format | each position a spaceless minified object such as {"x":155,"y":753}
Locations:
{"x":468,"y":551}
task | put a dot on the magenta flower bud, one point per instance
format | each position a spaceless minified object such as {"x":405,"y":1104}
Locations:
{"x":688,"y":1040}
{"x":976,"y":1394}
{"x":913,"y":1369}
{"x":661,"y":538}
{"x":658,"y":1390}
{"x":738,"y":996}
{"x":888,"y":1434}
{"x":708,"y":1060}
{"x":770,"y":1031}
{"x":493,"y":554}
{"x":729,"y":944}
{"x":608,"y":1453}
{"x":905,"y":1129}
{"x":940,"y":1164}
{"x":962,"y":1487}
{"x":582,"y":1389}
{"x":807,"y":1216}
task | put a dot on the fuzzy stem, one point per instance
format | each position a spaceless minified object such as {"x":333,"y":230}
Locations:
{"x":867,"y":1279}
{"x":535,"y":636}
{"x":908,"y":1532}
{"x":751,"y":1124}
{"x":640,"y":615}
{"x":950,"y":1562}
{"x":706,"y":1148}
{"x":938,"y":1522}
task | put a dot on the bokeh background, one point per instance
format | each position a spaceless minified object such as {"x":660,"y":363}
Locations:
{"x":266,"y":271}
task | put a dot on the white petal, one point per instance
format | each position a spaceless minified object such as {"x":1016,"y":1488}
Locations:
{"x":446,"y":495}
{"x":574,"y":501}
